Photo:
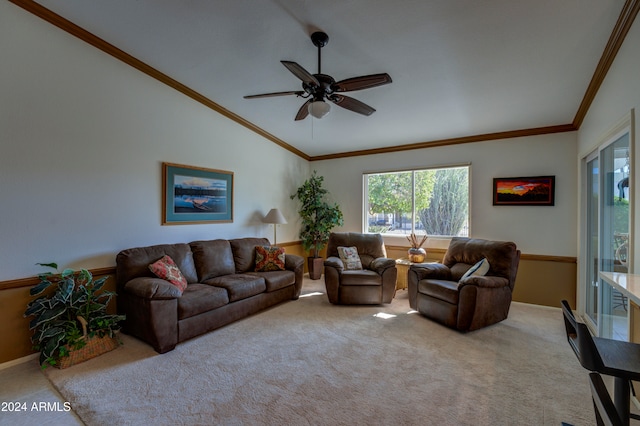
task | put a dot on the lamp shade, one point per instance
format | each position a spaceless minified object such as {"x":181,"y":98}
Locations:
{"x":319,"y":109}
{"x":274,"y":216}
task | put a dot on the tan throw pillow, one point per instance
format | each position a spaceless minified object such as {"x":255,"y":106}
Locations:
{"x":350,"y":258}
{"x":167,"y":269}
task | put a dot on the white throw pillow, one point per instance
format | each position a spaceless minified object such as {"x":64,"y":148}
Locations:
{"x":350,"y":258}
{"x":480,"y":268}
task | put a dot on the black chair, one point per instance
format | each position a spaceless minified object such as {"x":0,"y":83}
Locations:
{"x":570,"y":327}
{"x":606,"y":356}
{"x":606,"y":413}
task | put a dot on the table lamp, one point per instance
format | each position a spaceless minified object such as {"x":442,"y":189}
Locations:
{"x":275,"y":217}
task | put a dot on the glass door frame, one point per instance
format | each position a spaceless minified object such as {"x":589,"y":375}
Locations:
{"x":615,"y":166}
{"x":585,"y":287}
{"x":624,"y":126}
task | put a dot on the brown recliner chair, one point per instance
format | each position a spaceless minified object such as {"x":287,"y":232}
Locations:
{"x":374,"y":284}
{"x":438,"y":291}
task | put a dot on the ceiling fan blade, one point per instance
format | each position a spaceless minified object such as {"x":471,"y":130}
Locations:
{"x":352,"y":104}
{"x":303,"y":111}
{"x":301,"y":73}
{"x":363,"y":82}
{"x":268,"y":95}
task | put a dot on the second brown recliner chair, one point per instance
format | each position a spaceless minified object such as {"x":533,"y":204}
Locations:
{"x":374,"y":284}
{"x":443,"y":293}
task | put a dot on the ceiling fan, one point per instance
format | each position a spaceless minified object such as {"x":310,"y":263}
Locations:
{"x":320,"y":87}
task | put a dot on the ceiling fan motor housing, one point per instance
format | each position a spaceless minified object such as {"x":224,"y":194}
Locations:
{"x":325,"y":88}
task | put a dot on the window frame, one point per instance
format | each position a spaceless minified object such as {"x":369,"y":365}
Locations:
{"x":365,"y":198}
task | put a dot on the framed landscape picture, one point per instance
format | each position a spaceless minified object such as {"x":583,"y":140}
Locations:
{"x":196,"y":195}
{"x":524,"y":191}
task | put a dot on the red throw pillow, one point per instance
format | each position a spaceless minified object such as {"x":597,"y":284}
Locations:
{"x":269,"y":258}
{"x":167,"y":269}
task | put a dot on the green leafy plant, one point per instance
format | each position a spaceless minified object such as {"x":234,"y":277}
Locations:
{"x":74,"y":311}
{"x":317,"y":215}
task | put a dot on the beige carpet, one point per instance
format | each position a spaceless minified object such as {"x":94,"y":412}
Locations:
{"x":307,"y":362}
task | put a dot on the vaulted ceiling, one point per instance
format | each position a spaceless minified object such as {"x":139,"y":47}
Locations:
{"x":462,"y":70}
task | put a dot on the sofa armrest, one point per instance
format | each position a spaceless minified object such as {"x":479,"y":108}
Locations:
{"x":381,"y":264}
{"x":334,"y":262}
{"x":435,"y":271}
{"x":485,"y":281}
{"x":295,"y":264}
{"x":152,"y":288}
{"x":293,"y":261}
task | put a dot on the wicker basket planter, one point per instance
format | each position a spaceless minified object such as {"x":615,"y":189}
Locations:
{"x":68,"y":300}
{"x":95,"y":346}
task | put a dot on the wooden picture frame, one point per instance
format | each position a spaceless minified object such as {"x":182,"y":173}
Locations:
{"x":524,"y":191}
{"x":196,"y":195}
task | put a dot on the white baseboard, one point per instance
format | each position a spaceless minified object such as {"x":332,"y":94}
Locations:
{"x":18,"y":361}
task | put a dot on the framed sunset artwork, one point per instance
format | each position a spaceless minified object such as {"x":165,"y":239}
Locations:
{"x":524,"y":191}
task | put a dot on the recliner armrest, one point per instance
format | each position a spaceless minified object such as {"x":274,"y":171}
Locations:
{"x":152,"y":288}
{"x":485,"y":281}
{"x":436,"y":271}
{"x":381,"y":264}
{"x":334,"y":262}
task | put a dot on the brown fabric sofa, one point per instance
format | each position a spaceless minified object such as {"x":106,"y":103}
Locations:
{"x":374,"y":284}
{"x":222,"y":287}
{"x":438,"y":292}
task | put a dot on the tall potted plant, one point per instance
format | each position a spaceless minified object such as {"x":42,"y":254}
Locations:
{"x":318,"y":219}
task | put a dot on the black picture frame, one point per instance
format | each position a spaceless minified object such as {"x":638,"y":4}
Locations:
{"x":524,"y":191}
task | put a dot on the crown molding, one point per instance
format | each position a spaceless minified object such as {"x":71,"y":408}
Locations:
{"x":95,"y":41}
{"x":453,"y":141}
{"x":624,"y":23}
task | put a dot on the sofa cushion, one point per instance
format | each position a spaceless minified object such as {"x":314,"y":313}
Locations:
{"x":134,"y":262}
{"x":244,"y":253}
{"x":212,"y":258}
{"x":166,"y":269}
{"x":269,"y":258}
{"x":200,"y":298}
{"x":239,"y":286}
{"x":275,"y":280}
{"x":350,"y":258}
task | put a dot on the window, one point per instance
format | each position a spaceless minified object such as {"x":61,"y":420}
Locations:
{"x":432,"y":201}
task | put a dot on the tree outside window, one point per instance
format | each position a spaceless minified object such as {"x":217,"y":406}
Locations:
{"x":432,"y":201}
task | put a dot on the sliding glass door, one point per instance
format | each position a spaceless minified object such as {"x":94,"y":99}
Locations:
{"x":607,"y":202}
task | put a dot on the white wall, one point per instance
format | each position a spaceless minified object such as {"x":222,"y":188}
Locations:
{"x":535,"y":229}
{"x":83,"y":137}
{"x":617,"y":97}
{"x":619,"y":93}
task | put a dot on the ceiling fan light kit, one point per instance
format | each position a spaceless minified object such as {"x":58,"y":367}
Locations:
{"x":320,"y":87}
{"x":319,"y":109}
